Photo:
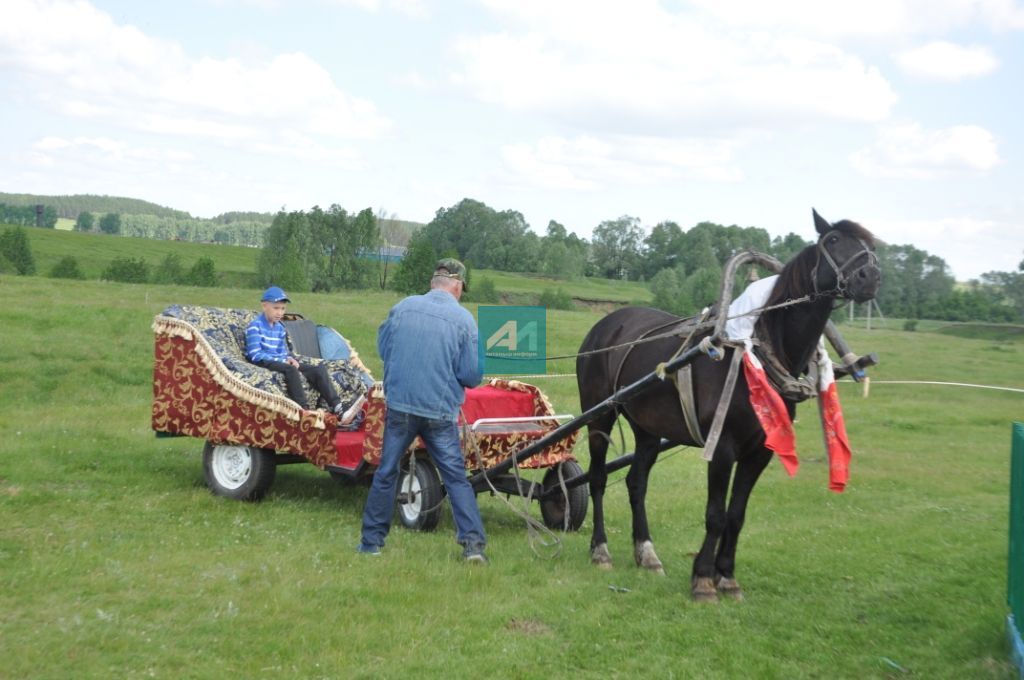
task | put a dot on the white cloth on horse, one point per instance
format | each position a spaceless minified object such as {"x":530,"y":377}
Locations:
{"x":740,"y":325}
{"x":743,"y":313}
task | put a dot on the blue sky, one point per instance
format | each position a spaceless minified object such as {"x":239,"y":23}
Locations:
{"x":900,"y":114}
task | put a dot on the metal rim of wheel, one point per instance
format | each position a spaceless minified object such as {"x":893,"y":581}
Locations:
{"x":231,"y":465}
{"x":410,"y":486}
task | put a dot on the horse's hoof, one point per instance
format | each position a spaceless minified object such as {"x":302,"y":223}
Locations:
{"x":703,"y":590}
{"x":601,"y":558}
{"x":646,"y":558}
{"x":730,"y":588}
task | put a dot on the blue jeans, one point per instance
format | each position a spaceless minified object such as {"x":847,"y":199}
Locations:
{"x":442,"y":440}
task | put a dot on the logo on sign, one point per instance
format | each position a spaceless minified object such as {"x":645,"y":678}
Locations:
{"x":512,"y":339}
{"x":512,"y":335}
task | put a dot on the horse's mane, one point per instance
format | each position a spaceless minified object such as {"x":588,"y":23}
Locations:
{"x":795,"y":281}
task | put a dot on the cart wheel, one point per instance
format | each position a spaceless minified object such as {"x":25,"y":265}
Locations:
{"x":553,"y":509}
{"x":419,"y":496}
{"x":244,"y":473}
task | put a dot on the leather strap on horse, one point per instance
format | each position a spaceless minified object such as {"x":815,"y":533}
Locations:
{"x":794,"y":389}
{"x":723,"y":403}
{"x":683,"y":379}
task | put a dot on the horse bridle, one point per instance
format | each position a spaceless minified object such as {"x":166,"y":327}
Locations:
{"x":841,"y":274}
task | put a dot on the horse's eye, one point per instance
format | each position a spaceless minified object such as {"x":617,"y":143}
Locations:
{"x":833,"y":239}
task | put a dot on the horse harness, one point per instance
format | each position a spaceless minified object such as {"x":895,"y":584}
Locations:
{"x":840,"y":272}
{"x":792,"y":389}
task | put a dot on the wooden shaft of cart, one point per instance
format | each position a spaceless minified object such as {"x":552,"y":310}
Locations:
{"x":621,"y":396}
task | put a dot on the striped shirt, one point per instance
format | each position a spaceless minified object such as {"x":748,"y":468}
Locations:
{"x":265,"y":342}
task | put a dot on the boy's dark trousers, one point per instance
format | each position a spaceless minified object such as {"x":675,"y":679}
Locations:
{"x":316,"y":375}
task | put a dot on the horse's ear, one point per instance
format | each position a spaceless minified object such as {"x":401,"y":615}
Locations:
{"x":821,"y":225}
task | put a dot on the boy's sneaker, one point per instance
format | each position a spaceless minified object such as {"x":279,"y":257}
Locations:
{"x":347,"y":416}
{"x":475,"y":555}
{"x":364,"y":549}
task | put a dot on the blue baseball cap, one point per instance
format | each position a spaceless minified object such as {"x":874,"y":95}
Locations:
{"x":274,"y":294}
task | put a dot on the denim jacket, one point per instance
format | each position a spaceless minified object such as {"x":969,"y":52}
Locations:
{"x":429,"y":347}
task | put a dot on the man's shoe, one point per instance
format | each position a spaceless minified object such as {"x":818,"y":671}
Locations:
{"x":475,"y":555}
{"x":364,"y":549}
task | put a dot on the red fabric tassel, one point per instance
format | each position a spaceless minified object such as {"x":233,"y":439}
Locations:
{"x":771,"y":412}
{"x":835,"y":438}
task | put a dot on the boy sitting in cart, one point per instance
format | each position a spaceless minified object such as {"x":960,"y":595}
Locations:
{"x":266,"y":345}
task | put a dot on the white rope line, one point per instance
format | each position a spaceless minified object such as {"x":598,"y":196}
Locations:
{"x":844,"y":382}
{"x":535,"y":377}
{"x":951,"y":384}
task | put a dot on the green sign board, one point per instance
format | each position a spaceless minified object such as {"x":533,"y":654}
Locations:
{"x":513,"y":340}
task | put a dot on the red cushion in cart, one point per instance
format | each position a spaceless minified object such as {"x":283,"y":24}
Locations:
{"x":491,"y":402}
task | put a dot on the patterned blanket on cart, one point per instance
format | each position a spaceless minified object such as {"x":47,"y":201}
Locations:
{"x":204,"y":386}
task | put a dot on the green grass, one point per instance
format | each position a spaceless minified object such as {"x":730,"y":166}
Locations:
{"x":589,"y":289}
{"x":116,"y":562}
{"x":235,"y":265}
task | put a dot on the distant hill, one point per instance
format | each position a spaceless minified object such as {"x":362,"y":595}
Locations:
{"x":144,"y":219}
{"x":71,"y":206}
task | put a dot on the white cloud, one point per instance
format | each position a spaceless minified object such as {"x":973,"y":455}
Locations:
{"x":627,"y":66}
{"x":969,"y":245}
{"x":86,"y":65}
{"x":910,"y":152}
{"x":588,"y":163}
{"x":940,"y":60}
{"x":409,"y":8}
{"x":45,"y":148}
{"x":867,"y":18}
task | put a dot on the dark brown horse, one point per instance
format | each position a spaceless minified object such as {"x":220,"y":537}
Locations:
{"x":842,"y":264}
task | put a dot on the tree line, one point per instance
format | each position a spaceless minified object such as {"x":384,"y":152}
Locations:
{"x":324,"y":250}
{"x":69,"y":206}
{"x":683,"y":268}
{"x":25,"y":215}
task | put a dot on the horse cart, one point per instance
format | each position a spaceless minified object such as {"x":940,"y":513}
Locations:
{"x":204,"y":387}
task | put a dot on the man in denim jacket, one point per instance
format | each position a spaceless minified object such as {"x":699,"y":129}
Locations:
{"x":429,"y":347}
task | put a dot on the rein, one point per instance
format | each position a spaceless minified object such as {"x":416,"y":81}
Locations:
{"x":700,"y":326}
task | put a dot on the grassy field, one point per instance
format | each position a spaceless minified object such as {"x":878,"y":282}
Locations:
{"x":236,"y":265}
{"x":115,"y":561}
{"x":588,"y":289}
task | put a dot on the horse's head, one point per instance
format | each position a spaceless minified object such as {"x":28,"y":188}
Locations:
{"x":846,"y":260}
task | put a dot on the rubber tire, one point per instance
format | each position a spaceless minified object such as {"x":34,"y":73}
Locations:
{"x":243,"y":473}
{"x":424,"y":513}
{"x":553,"y":509}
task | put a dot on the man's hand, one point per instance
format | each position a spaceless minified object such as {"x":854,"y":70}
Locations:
{"x":292,"y":361}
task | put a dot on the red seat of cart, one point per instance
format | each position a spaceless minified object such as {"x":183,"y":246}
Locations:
{"x":490,"y":402}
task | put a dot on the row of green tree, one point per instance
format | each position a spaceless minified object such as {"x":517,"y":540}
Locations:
{"x":171,"y":270}
{"x":238,"y":232}
{"x":69,"y":206}
{"x":684,"y":268}
{"x":324,"y":250}
{"x":25,"y":215}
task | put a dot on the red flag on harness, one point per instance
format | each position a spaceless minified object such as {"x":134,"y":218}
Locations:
{"x":836,"y":443}
{"x":772,"y":414}
{"x":778,"y":429}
